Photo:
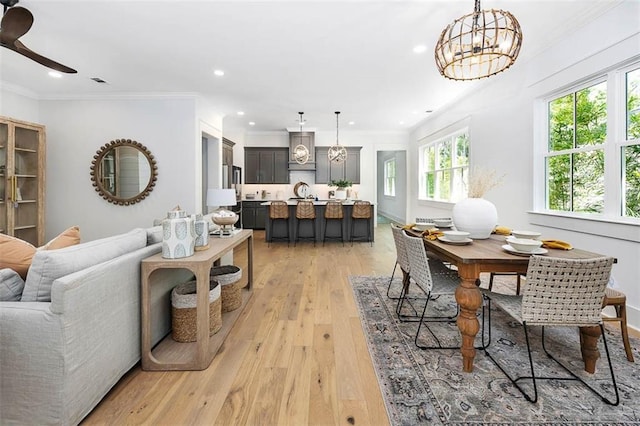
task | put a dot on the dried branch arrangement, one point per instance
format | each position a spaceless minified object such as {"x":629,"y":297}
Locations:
{"x":482,"y":180}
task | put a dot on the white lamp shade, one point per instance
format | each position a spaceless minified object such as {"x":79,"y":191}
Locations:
{"x":221,"y":197}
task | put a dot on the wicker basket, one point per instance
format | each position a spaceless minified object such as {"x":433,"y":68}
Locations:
{"x":183,"y":311}
{"x":229,"y":278}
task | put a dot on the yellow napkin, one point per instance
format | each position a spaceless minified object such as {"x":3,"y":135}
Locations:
{"x":409,"y":226}
{"x":556,"y":244}
{"x":502,"y":230}
{"x":432,"y":234}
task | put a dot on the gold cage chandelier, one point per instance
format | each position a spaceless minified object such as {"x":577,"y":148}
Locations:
{"x":478,"y":45}
{"x":337,"y":153}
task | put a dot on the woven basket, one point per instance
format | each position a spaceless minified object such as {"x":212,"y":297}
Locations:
{"x":229,"y":278}
{"x":183,"y":311}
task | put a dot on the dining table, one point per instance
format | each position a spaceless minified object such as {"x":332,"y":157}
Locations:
{"x":489,"y":255}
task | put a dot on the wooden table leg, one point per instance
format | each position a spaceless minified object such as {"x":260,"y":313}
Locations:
{"x":589,"y":337}
{"x":469,"y":299}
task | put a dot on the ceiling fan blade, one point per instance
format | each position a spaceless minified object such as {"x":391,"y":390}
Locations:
{"x":25,"y":51}
{"x":15,"y":23}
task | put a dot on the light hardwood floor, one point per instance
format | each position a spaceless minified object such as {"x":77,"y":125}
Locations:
{"x":296,"y":356}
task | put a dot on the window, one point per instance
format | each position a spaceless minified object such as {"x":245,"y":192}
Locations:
{"x":444,"y":168}
{"x":390,"y":177}
{"x":593,"y":134}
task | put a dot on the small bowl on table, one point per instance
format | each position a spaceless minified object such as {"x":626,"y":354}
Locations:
{"x":527,"y":245}
{"x":442,"y":223}
{"x":456,"y":236}
{"x":423,"y":226}
{"x":527,"y":235}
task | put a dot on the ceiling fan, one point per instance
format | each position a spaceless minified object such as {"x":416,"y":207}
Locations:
{"x":15,"y":23}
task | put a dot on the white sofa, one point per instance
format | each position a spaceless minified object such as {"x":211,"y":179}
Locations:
{"x":59,"y":358}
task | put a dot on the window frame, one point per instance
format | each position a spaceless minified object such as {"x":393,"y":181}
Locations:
{"x":452,"y":137}
{"x":614,"y":142}
{"x":389,"y":189}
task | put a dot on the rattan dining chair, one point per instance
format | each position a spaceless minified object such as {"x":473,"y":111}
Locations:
{"x":433,"y":285}
{"x":559,"y":292}
{"x":278,"y":210}
{"x":333,"y":212}
{"x":361,"y":212}
{"x":305,"y":211}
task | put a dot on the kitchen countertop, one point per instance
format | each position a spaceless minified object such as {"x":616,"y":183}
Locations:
{"x":315,"y":203}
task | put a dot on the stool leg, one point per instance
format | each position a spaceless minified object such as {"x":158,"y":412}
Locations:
{"x":297,"y":233}
{"x":518,"y":284}
{"x":271,"y":231}
{"x":313,"y":228}
{"x":324,"y":234}
{"x":491,"y":281}
{"x":622,"y":314}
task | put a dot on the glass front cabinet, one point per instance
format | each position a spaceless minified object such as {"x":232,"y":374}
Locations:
{"x":22,"y":166}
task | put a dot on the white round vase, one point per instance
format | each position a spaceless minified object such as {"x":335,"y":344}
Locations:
{"x":477,"y":216}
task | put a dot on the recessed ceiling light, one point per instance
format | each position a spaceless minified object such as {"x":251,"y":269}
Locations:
{"x":429,"y":111}
{"x":240,"y":112}
{"x":252,"y":123}
{"x":55,"y":74}
{"x":218,"y":73}
{"x":351,"y":123}
{"x":402,"y":122}
{"x":421,"y":48}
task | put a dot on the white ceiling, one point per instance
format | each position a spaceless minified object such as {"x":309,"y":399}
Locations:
{"x":279,"y":57}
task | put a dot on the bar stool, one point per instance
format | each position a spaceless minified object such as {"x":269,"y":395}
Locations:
{"x":305,"y":210}
{"x":278,"y":210}
{"x":618,"y":300}
{"x":361,"y":211}
{"x":333,"y":211}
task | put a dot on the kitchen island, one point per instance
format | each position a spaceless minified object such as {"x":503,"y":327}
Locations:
{"x":332,"y":226}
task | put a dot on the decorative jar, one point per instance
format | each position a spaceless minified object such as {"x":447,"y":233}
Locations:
{"x":477,"y":216}
{"x":178,"y":235}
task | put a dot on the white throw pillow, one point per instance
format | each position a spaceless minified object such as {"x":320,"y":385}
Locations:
{"x":11,"y":285}
{"x":49,"y":265}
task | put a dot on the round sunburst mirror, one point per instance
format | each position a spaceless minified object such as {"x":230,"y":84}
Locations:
{"x":123,"y":172}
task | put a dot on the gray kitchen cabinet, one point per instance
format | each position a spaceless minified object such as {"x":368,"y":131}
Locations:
{"x":254,"y":215}
{"x":266,"y":165}
{"x":327,"y":171}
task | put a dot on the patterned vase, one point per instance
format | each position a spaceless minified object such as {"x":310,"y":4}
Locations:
{"x":477,"y":216}
{"x":201,"y":228}
{"x":178,"y":235}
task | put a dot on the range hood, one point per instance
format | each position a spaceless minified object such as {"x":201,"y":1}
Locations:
{"x":307,"y":139}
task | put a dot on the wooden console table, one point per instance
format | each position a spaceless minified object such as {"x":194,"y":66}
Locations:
{"x":169,"y":354}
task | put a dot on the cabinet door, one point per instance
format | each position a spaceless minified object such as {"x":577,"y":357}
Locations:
{"x":281,"y":166}
{"x":352,"y":165}
{"x":337,"y":170}
{"x":266,"y":166}
{"x":248,"y":215}
{"x":260,"y":217}
{"x":322,"y":165}
{"x":251,"y":166}
{"x":22,"y":191}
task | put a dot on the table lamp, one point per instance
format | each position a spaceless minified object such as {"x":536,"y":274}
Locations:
{"x":222,"y":217}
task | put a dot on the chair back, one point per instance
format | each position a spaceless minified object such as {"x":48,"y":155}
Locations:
{"x":361,"y":210}
{"x":333,"y":210}
{"x":278,"y":210}
{"x":565,"y":291}
{"x":401,"y":250}
{"x":305,"y":210}
{"x":418,"y":261}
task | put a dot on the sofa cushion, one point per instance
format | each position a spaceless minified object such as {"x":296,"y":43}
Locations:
{"x":15,"y":254}
{"x":49,"y":265}
{"x":68,"y":237}
{"x":11,"y":285}
{"x":154,"y":235}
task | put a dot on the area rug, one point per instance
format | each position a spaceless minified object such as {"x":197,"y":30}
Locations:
{"x":428,"y":387}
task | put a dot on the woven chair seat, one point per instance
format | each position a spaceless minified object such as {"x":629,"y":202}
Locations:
{"x":361,"y":210}
{"x":305,"y":210}
{"x":334,"y":210}
{"x":278,"y":210}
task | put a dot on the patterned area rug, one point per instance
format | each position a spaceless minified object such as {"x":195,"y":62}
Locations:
{"x":428,"y":386}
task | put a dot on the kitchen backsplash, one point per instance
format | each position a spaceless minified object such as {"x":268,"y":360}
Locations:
{"x":284,"y":192}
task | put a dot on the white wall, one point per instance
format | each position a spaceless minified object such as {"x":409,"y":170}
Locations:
{"x":19,"y":105}
{"x":77,"y":129}
{"x":501,"y":126}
